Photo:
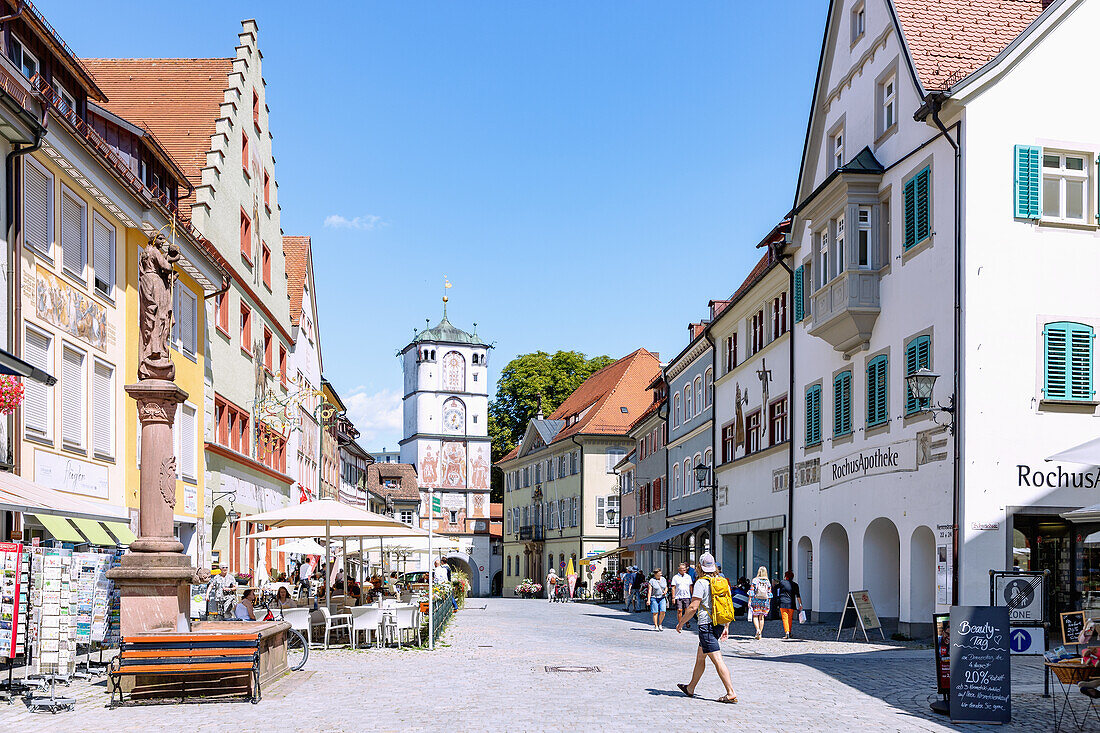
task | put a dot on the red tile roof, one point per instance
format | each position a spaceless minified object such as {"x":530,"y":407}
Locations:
{"x":297,"y":254}
{"x":604,"y":394}
{"x":179,"y":100}
{"x":404,"y":474}
{"x":951,"y":39}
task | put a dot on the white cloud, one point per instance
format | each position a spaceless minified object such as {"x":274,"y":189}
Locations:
{"x":377,"y":417}
{"x":370,"y":221}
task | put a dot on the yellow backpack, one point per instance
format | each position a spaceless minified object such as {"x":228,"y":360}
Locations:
{"x":721,"y":601}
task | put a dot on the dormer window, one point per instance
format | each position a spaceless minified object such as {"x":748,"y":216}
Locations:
{"x":65,"y":101}
{"x":22,"y":58}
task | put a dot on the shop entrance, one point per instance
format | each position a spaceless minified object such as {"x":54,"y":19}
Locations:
{"x":1045,"y":542}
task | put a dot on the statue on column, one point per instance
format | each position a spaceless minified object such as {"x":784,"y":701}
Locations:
{"x":157,"y":275}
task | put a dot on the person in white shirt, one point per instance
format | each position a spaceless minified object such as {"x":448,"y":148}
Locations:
{"x":709,"y":634}
{"x":551,"y":585}
{"x":681,"y":592}
{"x":441,"y":574}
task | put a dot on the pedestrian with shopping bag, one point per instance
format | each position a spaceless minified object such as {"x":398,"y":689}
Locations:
{"x":789,"y":601}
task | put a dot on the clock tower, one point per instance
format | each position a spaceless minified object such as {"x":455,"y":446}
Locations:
{"x":446,"y":436}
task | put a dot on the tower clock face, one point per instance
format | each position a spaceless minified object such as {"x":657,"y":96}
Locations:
{"x":454,"y":418}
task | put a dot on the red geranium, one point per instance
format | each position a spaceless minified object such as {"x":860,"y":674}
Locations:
{"x":11,"y":394}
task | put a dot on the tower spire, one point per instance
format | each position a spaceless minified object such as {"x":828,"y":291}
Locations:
{"x":446,"y":287}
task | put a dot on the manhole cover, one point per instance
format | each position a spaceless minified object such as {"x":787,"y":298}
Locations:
{"x":572,"y":669}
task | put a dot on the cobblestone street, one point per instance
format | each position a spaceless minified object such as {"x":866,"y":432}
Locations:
{"x":490,"y":674}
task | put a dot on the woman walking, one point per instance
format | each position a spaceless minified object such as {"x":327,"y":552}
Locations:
{"x":760,"y":591}
{"x":789,"y":601}
{"x":657,"y":599}
{"x":709,"y":635}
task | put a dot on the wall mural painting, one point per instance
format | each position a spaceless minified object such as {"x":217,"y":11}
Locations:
{"x":454,"y":372}
{"x":429,"y":467}
{"x":74,"y":312}
{"x":479,"y":468}
{"x":452,"y":465}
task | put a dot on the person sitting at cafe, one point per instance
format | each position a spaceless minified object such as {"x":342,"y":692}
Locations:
{"x":354,"y":592}
{"x":393,"y":583}
{"x":246,"y":607}
{"x":282,"y":598}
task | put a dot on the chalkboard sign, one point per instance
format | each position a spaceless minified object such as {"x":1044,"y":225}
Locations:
{"x":980,"y":665}
{"x":1073,"y":623}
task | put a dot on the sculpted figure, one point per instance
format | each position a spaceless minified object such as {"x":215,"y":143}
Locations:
{"x":156,"y":277}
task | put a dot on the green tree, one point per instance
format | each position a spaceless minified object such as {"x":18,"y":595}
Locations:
{"x":523,"y":380}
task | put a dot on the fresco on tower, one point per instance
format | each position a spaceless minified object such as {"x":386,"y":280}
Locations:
{"x":479,"y":467}
{"x":453,"y":465}
{"x":429,"y":467}
{"x":454,"y":372}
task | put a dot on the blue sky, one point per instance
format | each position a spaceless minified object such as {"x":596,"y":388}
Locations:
{"x":587,"y":174}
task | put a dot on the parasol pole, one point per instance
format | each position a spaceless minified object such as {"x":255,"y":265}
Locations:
{"x":328,"y":566}
{"x":431,"y":573}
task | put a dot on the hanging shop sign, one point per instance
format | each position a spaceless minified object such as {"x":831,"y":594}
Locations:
{"x":980,"y":665}
{"x":892,"y":458}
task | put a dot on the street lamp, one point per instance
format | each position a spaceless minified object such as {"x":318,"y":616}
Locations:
{"x":701,"y":472}
{"x":611,"y":514}
{"x":920,"y":384}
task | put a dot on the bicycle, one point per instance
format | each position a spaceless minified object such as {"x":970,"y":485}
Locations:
{"x":297,"y":648}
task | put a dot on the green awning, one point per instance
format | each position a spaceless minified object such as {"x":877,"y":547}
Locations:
{"x":59,"y":528}
{"x":121,"y":531}
{"x":94,"y":532}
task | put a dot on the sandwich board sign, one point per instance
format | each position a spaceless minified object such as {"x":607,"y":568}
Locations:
{"x":981,"y":669}
{"x":859,"y":612}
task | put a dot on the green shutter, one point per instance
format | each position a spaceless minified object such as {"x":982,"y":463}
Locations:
{"x":918,"y":355}
{"x":842,"y":404}
{"x":813,"y":415}
{"x":923,"y":204}
{"x":799,"y":274}
{"x":877,"y":403}
{"x":1067,"y":361}
{"x":1027,"y":181}
{"x":909,"y":196}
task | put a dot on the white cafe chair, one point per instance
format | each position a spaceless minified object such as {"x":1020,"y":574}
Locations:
{"x":299,"y":620}
{"x":407,"y":619}
{"x":366,"y":620}
{"x":331,"y":622}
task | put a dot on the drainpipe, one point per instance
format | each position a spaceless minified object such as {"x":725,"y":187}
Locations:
{"x":790,"y":410}
{"x":18,"y":11}
{"x":934,"y":103}
{"x":713,"y":445}
{"x":15,"y":265}
{"x":580,"y":503}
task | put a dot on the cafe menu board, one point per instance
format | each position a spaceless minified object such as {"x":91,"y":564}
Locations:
{"x":11,"y":593}
{"x":941,"y":628}
{"x":55,"y":647}
{"x":1073,"y":623}
{"x":980,"y":665}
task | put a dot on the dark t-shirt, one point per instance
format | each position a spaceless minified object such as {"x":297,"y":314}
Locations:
{"x":639,"y":580}
{"x":788,"y":591}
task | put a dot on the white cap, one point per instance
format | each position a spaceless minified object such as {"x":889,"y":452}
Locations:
{"x":706,"y":561}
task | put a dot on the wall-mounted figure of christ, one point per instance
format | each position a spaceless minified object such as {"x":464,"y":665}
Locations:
{"x":453,"y":466}
{"x":429,"y":467}
{"x":479,"y":469}
{"x":454,"y":372}
{"x":156,"y":276}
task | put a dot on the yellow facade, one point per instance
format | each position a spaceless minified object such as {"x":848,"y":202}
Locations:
{"x":191,"y":373}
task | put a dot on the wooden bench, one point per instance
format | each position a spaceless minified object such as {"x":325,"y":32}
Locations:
{"x":187,"y":659}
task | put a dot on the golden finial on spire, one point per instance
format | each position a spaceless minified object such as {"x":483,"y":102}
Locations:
{"x":446,"y":287}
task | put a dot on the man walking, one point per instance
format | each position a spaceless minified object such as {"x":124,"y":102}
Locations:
{"x":637,"y":588}
{"x":551,"y":585}
{"x":681,"y":592}
{"x":628,"y":589}
{"x":709,"y":635}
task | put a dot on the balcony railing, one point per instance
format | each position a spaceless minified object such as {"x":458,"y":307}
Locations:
{"x":532,"y":532}
{"x":845,"y":310}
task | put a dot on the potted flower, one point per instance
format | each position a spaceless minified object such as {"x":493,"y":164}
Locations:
{"x":528,"y":588}
{"x":11,"y":394}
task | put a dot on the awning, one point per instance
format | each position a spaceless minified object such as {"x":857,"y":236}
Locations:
{"x":59,"y":528}
{"x":1082,"y":516}
{"x":18,"y":494}
{"x":94,"y":532}
{"x":1086,"y":453}
{"x":667,"y":534}
{"x":616,"y":551}
{"x":121,"y":531}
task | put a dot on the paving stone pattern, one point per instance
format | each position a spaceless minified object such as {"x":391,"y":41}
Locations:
{"x":490,"y":674}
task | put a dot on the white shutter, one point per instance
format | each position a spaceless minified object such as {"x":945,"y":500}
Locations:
{"x":189,"y":317}
{"x":36,"y":208}
{"x":103,"y":400}
{"x":175,"y":337}
{"x":72,"y":397}
{"x":72,"y":234}
{"x":187,"y":441}
{"x":103,"y":256}
{"x":601,"y":508}
{"x":36,"y":396}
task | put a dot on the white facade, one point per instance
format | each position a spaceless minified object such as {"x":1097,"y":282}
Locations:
{"x":304,"y":374}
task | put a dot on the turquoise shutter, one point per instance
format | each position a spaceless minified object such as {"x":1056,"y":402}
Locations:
{"x":842,"y":404}
{"x":813,"y":415}
{"x":1067,"y":361}
{"x":799,"y":275}
{"x":909,"y":196}
{"x":918,"y":355}
{"x":1027,"y":181}
{"x":923,"y":204}
{"x":876,"y":391}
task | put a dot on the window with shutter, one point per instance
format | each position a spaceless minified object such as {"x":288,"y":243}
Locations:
{"x":188,"y":316}
{"x":103,"y":256}
{"x":918,"y":355}
{"x":188,"y":437}
{"x":917,"y":195}
{"x":842,"y":404}
{"x":72,"y":397}
{"x":1067,"y":361}
{"x":813,"y":415}
{"x":73,"y":252}
{"x":37,"y":207}
{"x":601,"y":511}
{"x":799,"y":276}
{"x":103,"y":401}
{"x":1027,"y":181}
{"x":877,"y":402}
{"x":36,"y":395}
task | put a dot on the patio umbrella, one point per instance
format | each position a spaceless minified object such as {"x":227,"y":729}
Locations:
{"x":304,"y":546}
{"x":328,"y":513}
{"x":571,"y":577}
